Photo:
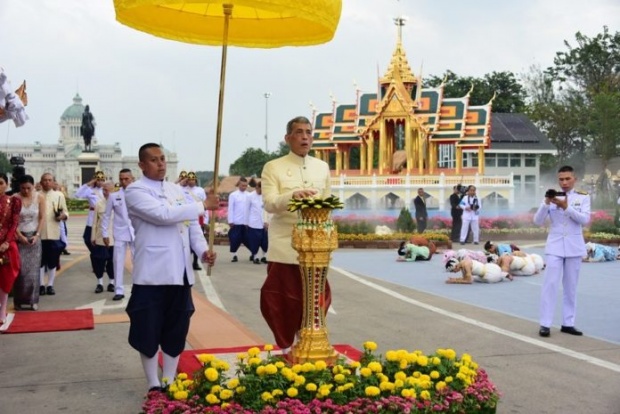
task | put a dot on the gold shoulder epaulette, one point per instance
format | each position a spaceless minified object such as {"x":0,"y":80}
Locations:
{"x":581,"y":192}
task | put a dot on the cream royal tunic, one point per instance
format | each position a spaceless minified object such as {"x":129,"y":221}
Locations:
{"x":280,"y":178}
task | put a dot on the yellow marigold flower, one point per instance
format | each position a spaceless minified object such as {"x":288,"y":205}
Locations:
{"x":296,"y":368}
{"x":224,"y":405}
{"x":386,"y":386}
{"x":401,"y":353}
{"x":405,"y":393}
{"x":450,"y":354}
{"x":280,"y":364}
{"x":400,"y":376}
{"x":339,"y":378}
{"x":180,"y":395}
{"x":205,"y":358}
{"x":266,"y":396}
{"x":277,"y":392}
{"x":288,"y":373}
{"x":271,"y":369}
{"x":320,"y":365}
{"x":211,"y":374}
{"x":187,"y":383}
{"x":268,"y":347}
{"x":466,"y":358}
{"x":391,"y":355}
{"x":260,"y":370}
{"x":307,"y":367}
{"x":449,"y":379}
{"x":425,"y":395}
{"x":311,"y":387}
{"x":254,"y":361}
{"x":292,"y":392}
{"x":212,"y":399}
{"x":372,"y":391}
{"x":440,"y":385}
{"x":370,"y":346}
{"x":324,"y":390}
{"x":436,"y":361}
{"x":422,"y":360}
{"x":182,"y":376}
{"x":232,"y":383}
{"x":346,"y":371}
{"x":226,"y":394}
{"x":412,"y":358}
{"x":215,"y":389}
{"x":241,"y":356}
{"x":375,"y":366}
{"x":223,"y":365}
{"x":337,"y":369}
{"x":416,"y":374}
{"x":403,"y":364}
{"x":173,"y":388}
{"x":382,"y":378}
{"x":240,"y":390}
{"x":299,"y":380}
{"x":461,"y":376}
{"x":254,"y":352}
{"x":434,"y":374}
{"x":399,"y":383}
{"x":365,"y":372}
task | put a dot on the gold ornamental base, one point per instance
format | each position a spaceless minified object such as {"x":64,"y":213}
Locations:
{"x":314,"y":238}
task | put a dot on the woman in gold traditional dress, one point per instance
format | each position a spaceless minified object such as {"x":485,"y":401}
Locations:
{"x":9,"y":256}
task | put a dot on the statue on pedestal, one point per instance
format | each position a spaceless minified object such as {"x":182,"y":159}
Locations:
{"x":87,"y":129}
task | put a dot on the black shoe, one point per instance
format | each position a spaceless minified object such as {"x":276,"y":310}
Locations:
{"x":263,"y":260}
{"x":111,"y":288}
{"x":256,"y":261}
{"x":476,"y":243}
{"x":234,"y":259}
{"x":50,"y":290}
{"x":99,"y":289}
{"x":157,"y":389}
{"x":42,"y":291}
{"x":251,"y":258}
{"x":462,"y":243}
{"x":196,"y":266}
{"x":118,"y":297}
{"x":65,"y":252}
{"x":570,"y":330}
{"x":544,"y":331}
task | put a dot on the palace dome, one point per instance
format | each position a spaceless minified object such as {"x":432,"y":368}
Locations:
{"x":75,"y":110}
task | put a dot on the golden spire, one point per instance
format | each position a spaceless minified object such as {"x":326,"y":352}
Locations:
{"x":399,"y":68}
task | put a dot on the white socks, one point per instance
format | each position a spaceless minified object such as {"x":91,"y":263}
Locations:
{"x":169,"y":370}
{"x":150,"y":370}
{"x":51,"y":276}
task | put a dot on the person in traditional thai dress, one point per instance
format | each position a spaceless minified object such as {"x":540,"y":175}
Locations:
{"x":102,"y":253}
{"x":474,"y":271}
{"x":600,"y":253}
{"x":9,"y":255}
{"x":409,"y":252}
{"x":26,"y":288}
{"x":500,"y":249}
{"x":296,"y":175}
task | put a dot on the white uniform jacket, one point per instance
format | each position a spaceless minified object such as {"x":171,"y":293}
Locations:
{"x":54,"y":202}
{"x":93,"y":195}
{"x":280,"y":178}
{"x":166,"y":227}
{"x":123,"y":230}
{"x":566,"y":234}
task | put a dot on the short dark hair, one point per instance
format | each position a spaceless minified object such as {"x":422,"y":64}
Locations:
{"x":566,"y":168}
{"x":296,"y":120}
{"x":125,"y":170}
{"x":4,"y":177}
{"x":488,"y":245}
{"x":25,"y":179}
{"x":142,"y":151}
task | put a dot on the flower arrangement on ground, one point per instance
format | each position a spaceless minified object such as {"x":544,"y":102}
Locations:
{"x":399,"y":382}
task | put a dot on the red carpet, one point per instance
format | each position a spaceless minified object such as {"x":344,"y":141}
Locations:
{"x":52,"y":321}
{"x":188,"y":362}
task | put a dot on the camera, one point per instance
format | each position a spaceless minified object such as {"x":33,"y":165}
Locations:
{"x":552,"y":193}
{"x":18,"y":172}
{"x":462,"y":189}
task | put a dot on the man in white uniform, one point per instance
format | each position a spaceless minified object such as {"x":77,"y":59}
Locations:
{"x":166,"y":228}
{"x":470,"y":204}
{"x":122,"y":229}
{"x":92,"y":192}
{"x":564,"y":250}
{"x":238,"y":217}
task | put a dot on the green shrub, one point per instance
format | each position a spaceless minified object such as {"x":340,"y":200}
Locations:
{"x":603,"y":226}
{"x":77,"y":204}
{"x":405,"y":223}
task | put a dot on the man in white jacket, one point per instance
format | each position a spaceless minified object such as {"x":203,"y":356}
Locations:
{"x":166,"y":229}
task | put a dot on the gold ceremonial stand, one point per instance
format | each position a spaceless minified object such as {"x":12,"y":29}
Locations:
{"x":314,"y":238}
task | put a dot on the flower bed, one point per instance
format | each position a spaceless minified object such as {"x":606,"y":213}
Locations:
{"x":400,"y":382}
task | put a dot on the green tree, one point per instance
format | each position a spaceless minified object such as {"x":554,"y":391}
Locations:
{"x":509,"y":93}
{"x":250,"y":163}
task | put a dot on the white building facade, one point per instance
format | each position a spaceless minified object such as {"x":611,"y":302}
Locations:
{"x":68,"y":162}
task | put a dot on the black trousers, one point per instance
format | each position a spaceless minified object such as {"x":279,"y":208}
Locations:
{"x":457,"y":223}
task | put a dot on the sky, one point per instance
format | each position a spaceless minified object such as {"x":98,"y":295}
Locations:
{"x":142,"y":88}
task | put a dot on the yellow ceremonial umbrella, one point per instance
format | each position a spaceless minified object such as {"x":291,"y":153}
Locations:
{"x":248,"y":23}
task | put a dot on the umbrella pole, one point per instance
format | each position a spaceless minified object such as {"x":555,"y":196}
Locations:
{"x":218,"y":132}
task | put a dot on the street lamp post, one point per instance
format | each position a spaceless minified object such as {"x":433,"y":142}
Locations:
{"x":267,"y":95}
